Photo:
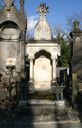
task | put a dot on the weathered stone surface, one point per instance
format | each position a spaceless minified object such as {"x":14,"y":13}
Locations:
{"x":42,"y":29}
{"x":77,"y":53}
{"x":11,"y":29}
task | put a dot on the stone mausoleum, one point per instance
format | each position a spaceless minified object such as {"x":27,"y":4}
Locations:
{"x":13,"y":26}
{"x":42,"y":53}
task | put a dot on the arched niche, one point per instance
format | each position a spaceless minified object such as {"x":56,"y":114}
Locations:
{"x":9,"y":45}
{"x":42,"y":53}
{"x":42,"y":70}
{"x":9,"y":30}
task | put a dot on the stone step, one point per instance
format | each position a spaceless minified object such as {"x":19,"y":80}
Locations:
{"x":38,"y":107}
{"x":45,"y":102}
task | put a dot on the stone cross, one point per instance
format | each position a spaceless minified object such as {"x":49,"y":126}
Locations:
{"x":42,"y":9}
{"x":8,"y":4}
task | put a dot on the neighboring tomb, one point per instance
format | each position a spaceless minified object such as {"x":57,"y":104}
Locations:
{"x":13,"y":25}
{"x":76,"y":60}
{"x":12,"y":32}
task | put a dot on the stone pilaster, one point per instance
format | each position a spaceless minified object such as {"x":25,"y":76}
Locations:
{"x":31,"y":70}
{"x":22,"y":59}
{"x":53,"y":71}
{"x":31,"y":79}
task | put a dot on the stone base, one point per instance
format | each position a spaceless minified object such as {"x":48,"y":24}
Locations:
{"x":60,"y":105}
{"x":31,"y":85}
{"x":53,"y":83}
{"x":42,"y":85}
{"x":36,"y":107}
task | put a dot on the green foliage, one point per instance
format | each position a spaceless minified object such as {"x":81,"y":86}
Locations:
{"x":43,"y":96}
{"x":64,"y":59}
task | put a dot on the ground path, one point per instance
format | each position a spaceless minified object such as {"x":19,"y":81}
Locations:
{"x":45,"y":125}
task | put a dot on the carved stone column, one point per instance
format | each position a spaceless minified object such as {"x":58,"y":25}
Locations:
{"x":31,"y":70}
{"x":53,"y":71}
{"x":31,"y":80}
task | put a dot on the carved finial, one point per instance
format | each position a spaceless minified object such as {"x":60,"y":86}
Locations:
{"x":76,"y":25}
{"x":22,"y":6}
{"x":22,"y":1}
{"x":8,"y":3}
{"x":42,"y":9}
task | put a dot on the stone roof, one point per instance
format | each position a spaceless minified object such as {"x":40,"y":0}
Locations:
{"x":42,"y":41}
{"x":13,"y":15}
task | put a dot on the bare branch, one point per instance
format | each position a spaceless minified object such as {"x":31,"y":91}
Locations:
{"x":57,"y":31}
{"x":76,"y":16}
{"x":2,"y":3}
